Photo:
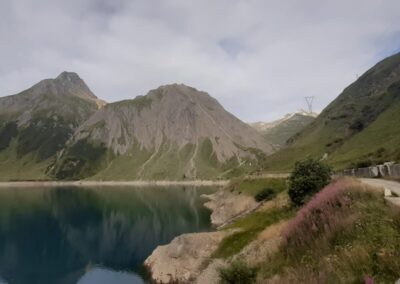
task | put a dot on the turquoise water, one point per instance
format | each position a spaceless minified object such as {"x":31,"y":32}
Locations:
{"x":91,"y":236}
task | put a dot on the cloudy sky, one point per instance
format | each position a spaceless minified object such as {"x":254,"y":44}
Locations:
{"x":259,"y":58}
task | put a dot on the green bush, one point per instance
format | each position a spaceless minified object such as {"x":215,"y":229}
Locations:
{"x":265,"y":194}
{"x":307,"y":178}
{"x":237,"y":272}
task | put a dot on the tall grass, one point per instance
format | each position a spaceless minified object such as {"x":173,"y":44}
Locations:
{"x":345,"y":234}
{"x":323,"y":216}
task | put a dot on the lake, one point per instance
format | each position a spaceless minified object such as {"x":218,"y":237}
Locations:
{"x":92,"y":235}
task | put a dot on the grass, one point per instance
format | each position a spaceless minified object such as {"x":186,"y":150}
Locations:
{"x":252,"y":187}
{"x":380,"y":141}
{"x":7,"y":133}
{"x":383,"y":133}
{"x":353,"y":127}
{"x":279,"y":134}
{"x":170,"y":161}
{"x":46,"y":136}
{"x":345,"y":234}
{"x":13,"y":167}
{"x":81,"y":160}
{"x":249,"y":228}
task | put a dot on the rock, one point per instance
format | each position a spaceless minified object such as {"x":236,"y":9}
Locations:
{"x":374,"y":171}
{"x":210,"y":274}
{"x":387,"y":192}
{"x":227,"y":206}
{"x":184,"y":258}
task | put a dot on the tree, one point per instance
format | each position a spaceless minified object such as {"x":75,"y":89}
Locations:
{"x":307,"y":178}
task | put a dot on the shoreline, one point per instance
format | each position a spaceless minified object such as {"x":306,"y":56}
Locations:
{"x":182,"y":260}
{"x":218,"y":183}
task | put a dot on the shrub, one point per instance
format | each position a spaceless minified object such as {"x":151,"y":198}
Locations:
{"x":237,"y":272}
{"x":307,"y":178}
{"x":265,"y":194}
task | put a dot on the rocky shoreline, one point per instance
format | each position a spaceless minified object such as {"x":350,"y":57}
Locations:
{"x":87,"y":183}
{"x":188,"y":258}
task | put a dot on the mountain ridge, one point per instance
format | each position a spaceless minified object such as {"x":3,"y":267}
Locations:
{"x":171,"y":119}
{"x":59,"y":129}
{"x":362,"y":108}
{"x":279,"y":131}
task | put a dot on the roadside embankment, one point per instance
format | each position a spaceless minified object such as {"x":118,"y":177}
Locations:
{"x":388,"y":170}
{"x":391,"y":189}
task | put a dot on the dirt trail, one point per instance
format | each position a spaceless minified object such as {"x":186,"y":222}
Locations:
{"x":393,"y":186}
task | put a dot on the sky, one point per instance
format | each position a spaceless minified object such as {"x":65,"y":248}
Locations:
{"x":259,"y":58}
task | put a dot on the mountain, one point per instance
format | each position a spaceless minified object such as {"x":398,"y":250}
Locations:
{"x":360,"y":127}
{"x":36,"y":123}
{"x":277,"y":132}
{"x":173,"y":132}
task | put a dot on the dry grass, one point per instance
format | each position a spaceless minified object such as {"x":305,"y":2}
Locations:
{"x":272,"y":231}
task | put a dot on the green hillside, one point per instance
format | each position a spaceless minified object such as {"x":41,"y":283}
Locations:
{"x":36,"y":123}
{"x":361,"y":126}
{"x":279,"y":134}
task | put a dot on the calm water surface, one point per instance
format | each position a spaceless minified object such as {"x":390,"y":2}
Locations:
{"x":91,"y":236}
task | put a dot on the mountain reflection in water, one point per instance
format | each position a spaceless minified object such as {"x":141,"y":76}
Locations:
{"x":96,"y":235}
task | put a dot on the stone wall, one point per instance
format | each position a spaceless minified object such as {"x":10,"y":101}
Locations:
{"x":386,"y":170}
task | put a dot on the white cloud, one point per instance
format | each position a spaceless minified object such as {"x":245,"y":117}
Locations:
{"x":258,"y":58}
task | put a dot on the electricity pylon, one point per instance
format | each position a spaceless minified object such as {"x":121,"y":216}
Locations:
{"x":309,"y":101}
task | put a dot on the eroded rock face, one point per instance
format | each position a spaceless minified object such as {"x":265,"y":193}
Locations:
{"x":174,"y":132}
{"x":176,"y":114}
{"x":184,"y":258}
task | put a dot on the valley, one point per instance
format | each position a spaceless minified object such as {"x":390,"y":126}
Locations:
{"x":212,"y":197}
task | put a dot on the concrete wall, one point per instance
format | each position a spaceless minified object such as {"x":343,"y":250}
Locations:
{"x":385,"y":170}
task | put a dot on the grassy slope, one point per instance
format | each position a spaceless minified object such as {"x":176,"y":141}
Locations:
{"x":169,"y":162}
{"x":33,"y":147}
{"x":279,"y":134}
{"x":379,"y":142}
{"x":26,"y":168}
{"x":250,"y":226}
{"x":358,"y":236}
{"x":250,"y":186}
{"x":363,"y":240}
{"x":351,"y":115}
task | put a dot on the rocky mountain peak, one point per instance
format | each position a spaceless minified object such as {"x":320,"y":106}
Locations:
{"x":71,"y":77}
{"x":65,"y":84}
{"x":178,"y":91}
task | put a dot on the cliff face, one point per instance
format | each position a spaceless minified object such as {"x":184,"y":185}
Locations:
{"x":174,"y":131}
